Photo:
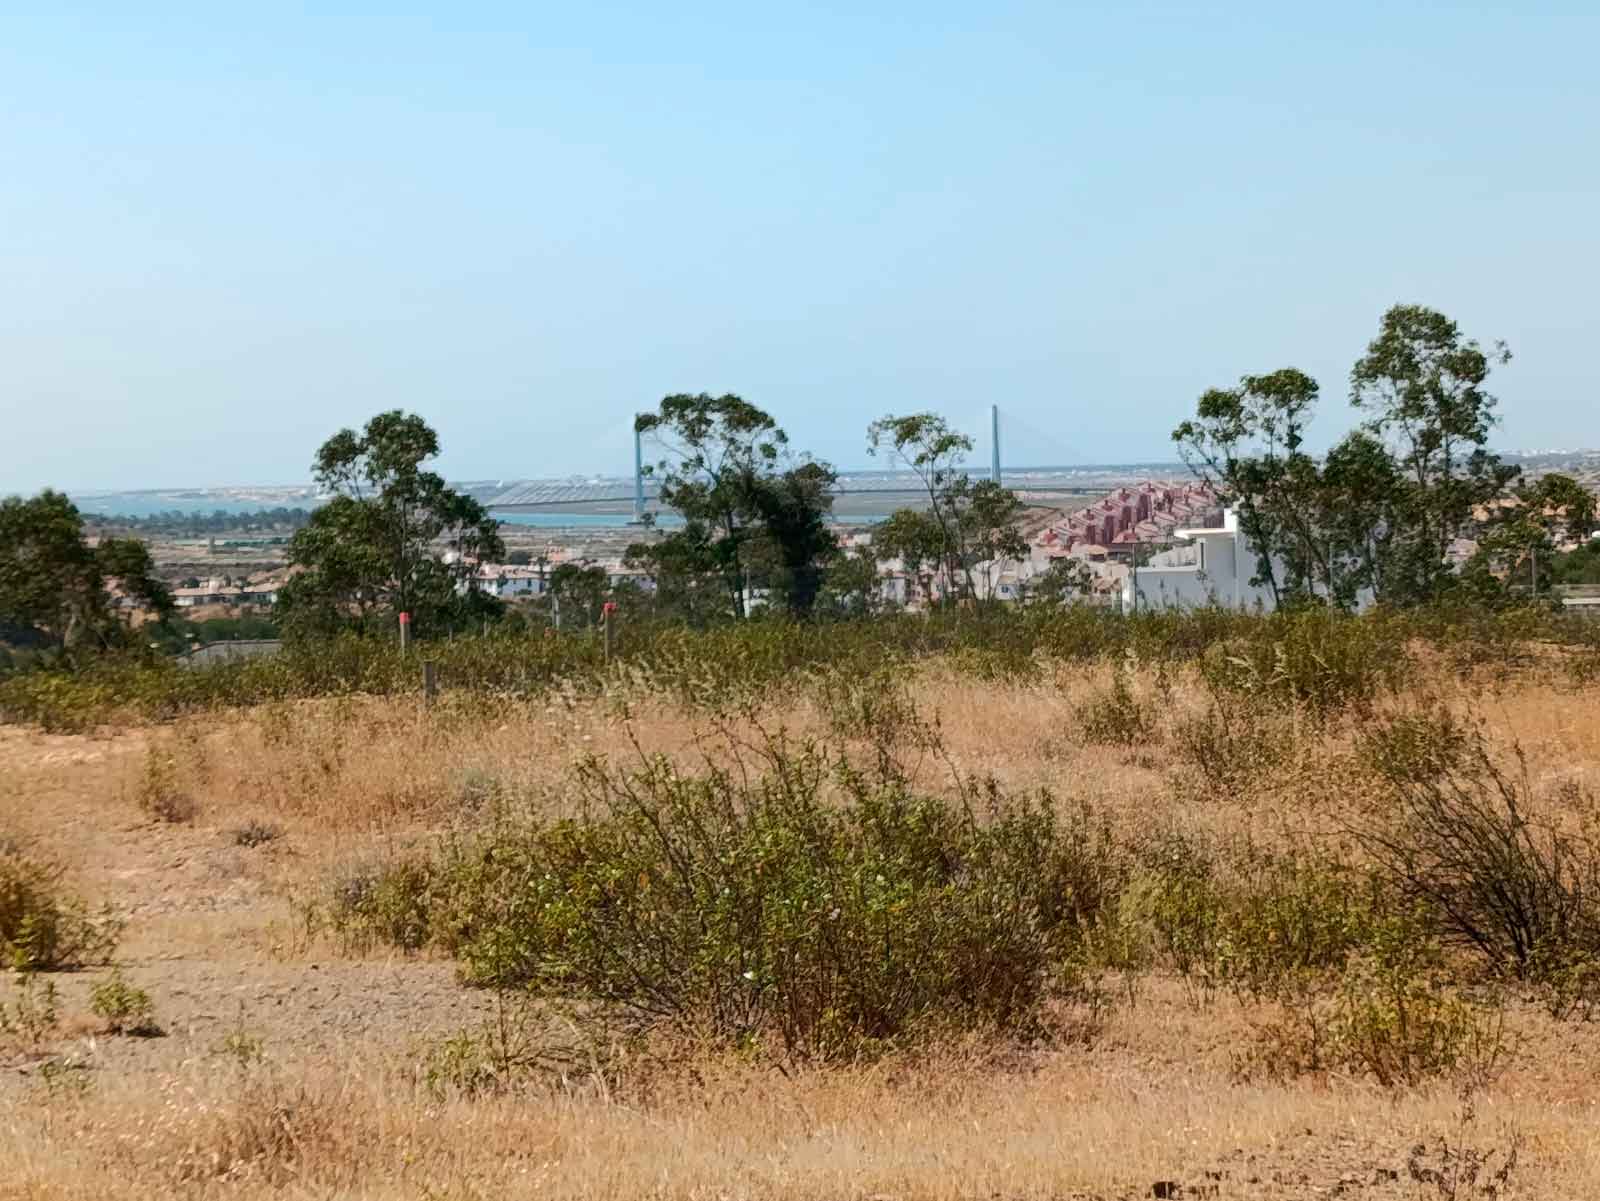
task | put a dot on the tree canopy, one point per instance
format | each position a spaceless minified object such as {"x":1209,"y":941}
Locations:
{"x":1378,"y":513}
{"x":750,"y":510}
{"x":58,"y":591}
{"x":393,"y":539}
{"x":968,"y":528}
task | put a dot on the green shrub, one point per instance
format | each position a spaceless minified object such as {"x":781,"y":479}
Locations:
{"x":242,"y":1046}
{"x":1583,"y":668}
{"x":756,"y":908}
{"x":1319,"y":660}
{"x":517,"y":1042}
{"x":374,"y":905}
{"x":1385,"y":1015}
{"x":1179,"y":898}
{"x":1264,"y":926}
{"x":876,"y":708}
{"x":1396,"y":1022}
{"x":1289,"y":922}
{"x":124,"y":1008}
{"x":33,"y":1017}
{"x":42,"y":927}
{"x":1416,"y":748}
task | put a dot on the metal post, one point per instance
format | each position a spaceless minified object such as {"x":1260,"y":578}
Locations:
{"x":430,"y":681}
{"x":405,"y":632}
{"x":638,"y":473}
{"x":994,"y":443}
{"x":608,"y":616}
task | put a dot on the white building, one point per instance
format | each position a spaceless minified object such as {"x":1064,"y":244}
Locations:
{"x":215,"y":592}
{"x":1220,"y":573}
{"x":508,"y":582}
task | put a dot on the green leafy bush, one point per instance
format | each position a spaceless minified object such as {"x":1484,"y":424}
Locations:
{"x":1404,"y":1030}
{"x":124,"y":1008}
{"x":388,"y":904}
{"x":1320,"y":660}
{"x":1233,"y":744}
{"x":1179,"y":899}
{"x":1385,"y":1013}
{"x":1266,"y":927}
{"x":1291,"y":921}
{"x":798,"y":904}
{"x":1417,"y":748}
{"x":34,"y":1016}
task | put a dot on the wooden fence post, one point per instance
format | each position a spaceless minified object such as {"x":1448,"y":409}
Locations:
{"x":430,"y":682}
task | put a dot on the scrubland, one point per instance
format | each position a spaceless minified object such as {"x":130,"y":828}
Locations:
{"x":1218,"y":907}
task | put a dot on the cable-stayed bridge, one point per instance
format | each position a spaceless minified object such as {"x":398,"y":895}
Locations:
{"x":1065,"y":478}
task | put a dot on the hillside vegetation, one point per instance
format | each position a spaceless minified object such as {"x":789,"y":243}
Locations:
{"x":1020,"y":904}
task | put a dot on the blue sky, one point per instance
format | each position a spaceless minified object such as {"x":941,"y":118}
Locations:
{"x":224,"y":233}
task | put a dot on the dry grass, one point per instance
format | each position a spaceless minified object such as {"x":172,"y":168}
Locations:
{"x":1095,"y":1124}
{"x":338,"y":1108}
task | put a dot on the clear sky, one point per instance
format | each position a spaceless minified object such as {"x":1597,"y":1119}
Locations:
{"x":226,"y":230}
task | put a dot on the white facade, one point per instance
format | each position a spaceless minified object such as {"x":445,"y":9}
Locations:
{"x":508,"y":582}
{"x":1224,"y":565}
{"x":215,"y":592}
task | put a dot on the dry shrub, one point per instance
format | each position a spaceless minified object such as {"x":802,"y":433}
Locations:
{"x":43,"y":927}
{"x":266,"y":1132}
{"x":365,"y":763}
{"x":161,"y":792}
{"x":1457,"y":1170}
{"x":1459,"y":841}
{"x":1115,"y":715}
{"x":1233,"y":745}
{"x":256,"y":833}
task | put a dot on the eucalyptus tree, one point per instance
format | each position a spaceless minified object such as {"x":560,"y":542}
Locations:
{"x":748,"y":504}
{"x":970,"y":525}
{"x":56,"y":589}
{"x":1421,"y":384}
{"x":394,"y":537}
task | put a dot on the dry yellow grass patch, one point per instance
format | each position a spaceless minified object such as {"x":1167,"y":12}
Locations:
{"x":339,"y":1107}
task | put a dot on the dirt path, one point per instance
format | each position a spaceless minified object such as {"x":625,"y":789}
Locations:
{"x":210,"y":932}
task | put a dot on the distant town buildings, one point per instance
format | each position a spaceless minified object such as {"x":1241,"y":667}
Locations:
{"x":222,"y":592}
{"x":510,"y":583}
{"x":1147,"y":512}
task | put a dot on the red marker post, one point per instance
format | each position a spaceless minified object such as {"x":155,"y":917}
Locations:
{"x":608,"y":613}
{"x":405,"y":632}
